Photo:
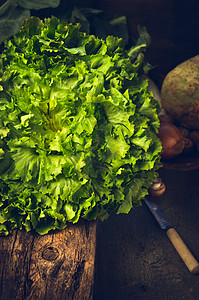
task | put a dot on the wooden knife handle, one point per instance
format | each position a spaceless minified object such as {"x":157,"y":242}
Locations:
{"x":183,"y":251}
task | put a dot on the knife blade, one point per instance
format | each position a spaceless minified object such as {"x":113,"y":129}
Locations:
{"x":157,"y":213}
{"x":182,"y":249}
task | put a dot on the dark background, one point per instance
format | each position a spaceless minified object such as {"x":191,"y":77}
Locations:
{"x":172,"y":24}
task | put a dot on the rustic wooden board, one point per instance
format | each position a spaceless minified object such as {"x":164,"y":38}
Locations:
{"x":136,"y":260}
{"x":59,"y":265}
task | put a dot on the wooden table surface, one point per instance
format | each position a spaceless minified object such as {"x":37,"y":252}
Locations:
{"x":136,"y":260}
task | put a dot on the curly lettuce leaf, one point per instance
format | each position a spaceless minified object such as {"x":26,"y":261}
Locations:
{"x":77,"y":125}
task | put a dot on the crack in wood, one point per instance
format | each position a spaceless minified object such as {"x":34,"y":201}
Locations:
{"x":13,"y":245}
{"x":2,"y":279}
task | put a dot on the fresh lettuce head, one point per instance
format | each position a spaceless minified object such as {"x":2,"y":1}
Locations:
{"x":77,"y":128}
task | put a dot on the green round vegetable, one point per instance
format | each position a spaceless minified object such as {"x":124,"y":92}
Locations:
{"x":77,"y":125}
{"x":180,"y":93}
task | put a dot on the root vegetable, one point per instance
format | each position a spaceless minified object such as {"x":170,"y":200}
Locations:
{"x":180,"y":93}
{"x":172,"y":140}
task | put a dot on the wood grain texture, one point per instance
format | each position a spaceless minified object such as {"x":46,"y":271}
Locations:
{"x":59,"y":265}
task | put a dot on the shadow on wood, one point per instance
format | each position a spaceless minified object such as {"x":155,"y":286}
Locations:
{"x":59,"y":265}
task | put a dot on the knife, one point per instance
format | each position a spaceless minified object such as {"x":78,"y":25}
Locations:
{"x":174,"y":237}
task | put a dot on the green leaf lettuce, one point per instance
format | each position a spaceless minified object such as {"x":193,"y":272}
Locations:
{"x":77,"y":128}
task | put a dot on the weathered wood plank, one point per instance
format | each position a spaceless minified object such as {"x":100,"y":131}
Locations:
{"x":59,"y":265}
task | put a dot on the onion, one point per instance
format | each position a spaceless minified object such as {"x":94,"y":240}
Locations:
{"x":172,"y":140}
